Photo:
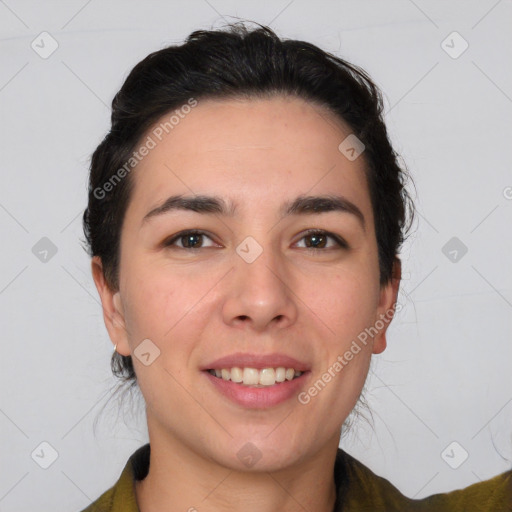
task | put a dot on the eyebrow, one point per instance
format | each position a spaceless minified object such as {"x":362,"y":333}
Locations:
{"x":302,"y":205}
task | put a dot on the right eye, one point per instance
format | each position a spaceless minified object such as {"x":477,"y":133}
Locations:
{"x":189,"y":239}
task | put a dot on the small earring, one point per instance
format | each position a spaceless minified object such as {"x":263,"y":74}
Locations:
{"x":115,"y":348}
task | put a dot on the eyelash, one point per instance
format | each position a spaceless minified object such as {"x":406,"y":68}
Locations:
{"x":310,"y":232}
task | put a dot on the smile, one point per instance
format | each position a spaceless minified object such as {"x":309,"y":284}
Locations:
{"x":256,"y":378}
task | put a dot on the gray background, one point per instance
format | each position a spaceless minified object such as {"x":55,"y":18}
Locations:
{"x":445,"y":375}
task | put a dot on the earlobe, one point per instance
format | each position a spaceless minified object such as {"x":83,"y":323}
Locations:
{"x":113,"y":311}
{"x":387,"y":305}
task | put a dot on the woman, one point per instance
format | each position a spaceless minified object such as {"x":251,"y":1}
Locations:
{"x":245,"y":214}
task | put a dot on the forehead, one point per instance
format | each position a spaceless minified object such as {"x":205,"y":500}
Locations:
{"x":249,"y":148}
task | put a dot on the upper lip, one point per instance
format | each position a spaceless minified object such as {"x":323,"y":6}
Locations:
{"x":257,"y":361}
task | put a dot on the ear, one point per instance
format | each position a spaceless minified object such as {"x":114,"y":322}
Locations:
{"x":113,"y":313}
{"x":386,"y":308}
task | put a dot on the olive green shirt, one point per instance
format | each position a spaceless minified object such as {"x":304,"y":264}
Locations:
{"x":358,"y":490}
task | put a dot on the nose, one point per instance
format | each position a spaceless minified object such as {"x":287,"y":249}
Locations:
{"x":260,"y":294}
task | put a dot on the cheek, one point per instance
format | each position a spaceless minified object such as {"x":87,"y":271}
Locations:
{"x":149,"y":296}
{"x":163,"y":300}
{"x":348,"y":302}
{"x":352,"y":315}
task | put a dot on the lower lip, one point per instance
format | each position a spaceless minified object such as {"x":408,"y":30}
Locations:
{"x":258,"y":398}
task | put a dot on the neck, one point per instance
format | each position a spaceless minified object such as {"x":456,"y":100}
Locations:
{"x":179,"y":479}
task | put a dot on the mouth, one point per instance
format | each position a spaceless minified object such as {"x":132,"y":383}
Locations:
{"x":257,"y":381}
{"x":252,"y":388}
{"x":254,"y":377}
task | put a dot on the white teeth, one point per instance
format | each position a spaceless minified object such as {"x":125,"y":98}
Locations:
{"x":237,"y":375}
{"x":267,"y":377}
{"x":251,"y":376}
{"x":255,"y":377}
{"x":280,"y":374}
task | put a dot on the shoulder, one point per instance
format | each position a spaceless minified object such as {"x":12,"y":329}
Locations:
{"x":493,"y":495}
{"x":360,"y":489}
{"x":103,"y":503}
{"x":363,"y":490}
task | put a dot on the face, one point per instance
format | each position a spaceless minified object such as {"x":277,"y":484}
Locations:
{"x":270,"y":277}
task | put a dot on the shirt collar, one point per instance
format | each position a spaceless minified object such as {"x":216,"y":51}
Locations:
{"x":137,"y":468}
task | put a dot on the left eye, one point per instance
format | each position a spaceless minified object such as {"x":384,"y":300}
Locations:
{"x":318,"y":239}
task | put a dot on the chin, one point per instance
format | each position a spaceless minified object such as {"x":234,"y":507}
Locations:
{"x":261,"y":453}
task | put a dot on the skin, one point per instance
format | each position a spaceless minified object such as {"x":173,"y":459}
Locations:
{"x":197,"y":305}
